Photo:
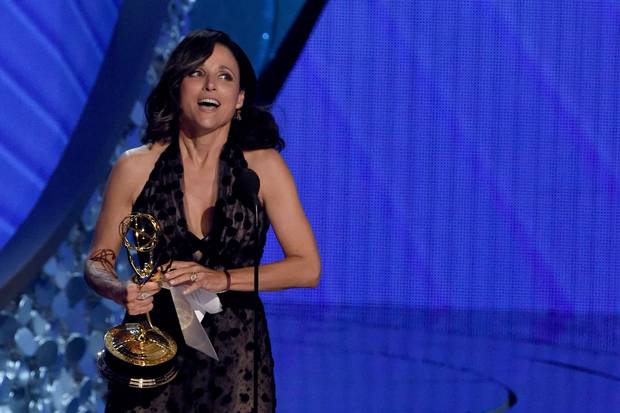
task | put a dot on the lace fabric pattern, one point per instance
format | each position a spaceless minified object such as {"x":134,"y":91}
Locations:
{"x":205,"y":384}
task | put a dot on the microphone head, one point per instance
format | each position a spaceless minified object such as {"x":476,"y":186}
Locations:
{"x":246,"y":187}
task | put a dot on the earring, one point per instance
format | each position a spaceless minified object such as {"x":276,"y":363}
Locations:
{"x":237,"y":114}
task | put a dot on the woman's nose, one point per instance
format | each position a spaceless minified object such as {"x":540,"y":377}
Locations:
{"x":209,"y":84}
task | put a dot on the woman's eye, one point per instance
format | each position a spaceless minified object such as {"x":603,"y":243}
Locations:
{"x":225,"y":76}
{"x":196,"y":73}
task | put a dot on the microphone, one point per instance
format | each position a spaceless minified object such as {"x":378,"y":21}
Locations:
{"x":246,"y":187}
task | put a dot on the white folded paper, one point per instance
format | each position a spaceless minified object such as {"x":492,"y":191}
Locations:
{"x":190,"y":310}
{"x":204,"y":302}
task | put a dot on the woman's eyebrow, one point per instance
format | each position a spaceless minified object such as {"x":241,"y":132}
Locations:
{"x":226,"y":67}
{"x":220,"y":67}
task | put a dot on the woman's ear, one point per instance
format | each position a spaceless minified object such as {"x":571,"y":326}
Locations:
{"x":240,"y":99}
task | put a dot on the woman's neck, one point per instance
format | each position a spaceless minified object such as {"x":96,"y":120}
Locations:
{"x":202,"y":150}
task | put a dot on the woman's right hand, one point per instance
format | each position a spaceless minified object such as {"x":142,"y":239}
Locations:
{"x":138,"y":299}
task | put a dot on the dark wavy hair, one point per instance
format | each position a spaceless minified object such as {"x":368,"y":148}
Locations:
{"x":257,"y":128}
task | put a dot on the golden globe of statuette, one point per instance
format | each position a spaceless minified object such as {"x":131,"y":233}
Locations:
{"x":139,"y":354}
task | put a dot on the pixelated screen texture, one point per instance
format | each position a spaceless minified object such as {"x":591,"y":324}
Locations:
{"x":459,"y":154}
{"x":50,"y":54}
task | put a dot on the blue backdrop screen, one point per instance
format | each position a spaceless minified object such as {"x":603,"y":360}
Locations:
{"x":50,"y":54}
{"x":460,"y":154}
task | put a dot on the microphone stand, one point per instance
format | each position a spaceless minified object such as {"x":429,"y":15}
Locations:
{"x":256,"y":349}
{"x":246,"y":188}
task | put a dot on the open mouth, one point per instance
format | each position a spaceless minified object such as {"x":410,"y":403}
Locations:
{"x":209,"y":103}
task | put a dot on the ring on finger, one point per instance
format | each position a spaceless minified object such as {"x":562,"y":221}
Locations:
{"x":193,"y":276}
{"x":142,"y":296}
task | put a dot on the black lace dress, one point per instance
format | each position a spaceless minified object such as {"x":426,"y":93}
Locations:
{"x":205,"y":384}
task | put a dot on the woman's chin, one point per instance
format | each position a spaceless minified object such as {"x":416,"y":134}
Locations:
{"x":205,"y":129}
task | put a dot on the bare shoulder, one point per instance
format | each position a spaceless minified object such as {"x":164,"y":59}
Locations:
{"x":133,"y":167}
{"x":276,"y":180}
{"x":265,"y":162}
{"x":138,"y":161}
{"x":142,"y":156}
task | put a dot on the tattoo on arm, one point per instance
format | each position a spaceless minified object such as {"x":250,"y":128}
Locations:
{"x":100,"y":275}
{"x":106,"y":258}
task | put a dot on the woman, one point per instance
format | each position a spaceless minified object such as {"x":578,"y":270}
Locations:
{"x":203,"y":129}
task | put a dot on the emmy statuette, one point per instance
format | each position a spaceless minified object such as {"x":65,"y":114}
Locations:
{"x":139,"y":354}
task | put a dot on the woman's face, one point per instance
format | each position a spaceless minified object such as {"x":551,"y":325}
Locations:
{"x":211,"y":94}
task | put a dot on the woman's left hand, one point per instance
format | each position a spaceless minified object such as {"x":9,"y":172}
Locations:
{"x":195,"y":276}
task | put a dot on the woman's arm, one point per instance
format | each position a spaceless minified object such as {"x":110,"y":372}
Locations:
{"x":99,"y":267}
{"x":300,"y":267}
